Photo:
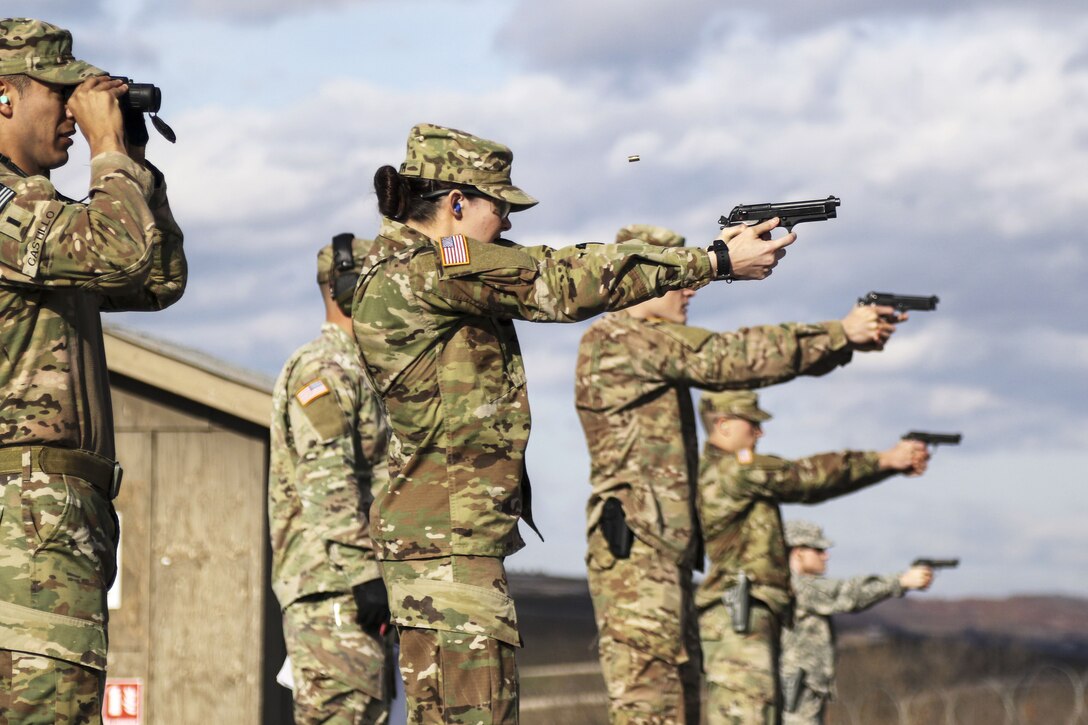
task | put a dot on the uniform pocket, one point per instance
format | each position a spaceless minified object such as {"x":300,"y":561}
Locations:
{"x":47,"y":503}
{"x":74,"y":527}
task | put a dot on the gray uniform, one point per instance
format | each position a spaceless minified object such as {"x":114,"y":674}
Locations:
{"x":810,"y":644}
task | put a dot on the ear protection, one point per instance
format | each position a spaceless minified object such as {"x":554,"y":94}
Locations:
{"x":344,"y":274}
{"x":457,"y":207}
{"x":5,"y":100}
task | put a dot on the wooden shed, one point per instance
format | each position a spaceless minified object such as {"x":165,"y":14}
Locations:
{"x":195,"y":621}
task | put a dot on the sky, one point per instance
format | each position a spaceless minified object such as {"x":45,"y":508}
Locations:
{"x":956,"y":135}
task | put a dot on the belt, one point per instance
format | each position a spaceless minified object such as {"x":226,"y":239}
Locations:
{"x":99,"y":471}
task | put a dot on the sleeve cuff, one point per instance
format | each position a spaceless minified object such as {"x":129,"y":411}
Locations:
{"x":367,"y":571}
{"x":836,"y":334}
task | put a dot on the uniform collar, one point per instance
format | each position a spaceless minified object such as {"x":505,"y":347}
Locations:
{"x":402,"y":235}
{"x":337,"y":333}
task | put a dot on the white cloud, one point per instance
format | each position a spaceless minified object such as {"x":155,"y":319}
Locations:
{"x":955,"y":140}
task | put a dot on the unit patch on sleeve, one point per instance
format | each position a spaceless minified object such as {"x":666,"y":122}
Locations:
{"x":454,"y":251}
{"x":311,"y":392}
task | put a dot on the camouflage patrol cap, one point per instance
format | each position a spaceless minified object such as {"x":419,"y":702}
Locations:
{"x":650,"y":234}
{"x":806,"y":533}
{"x":737,"y":403}
{"x":360,"y":248}
{"x":42,"y":51}
{"x":446,"y":154}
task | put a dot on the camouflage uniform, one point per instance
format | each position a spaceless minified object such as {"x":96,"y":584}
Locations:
{"x":632,"y":392}
{"x":438,"y":340}
{"x":61,"y":264}
{"x":327,"y":458}
{"x":738,"y":504}
{"x":809,"y":645}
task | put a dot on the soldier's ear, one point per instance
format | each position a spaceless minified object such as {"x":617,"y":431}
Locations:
{"x":5,"y":100}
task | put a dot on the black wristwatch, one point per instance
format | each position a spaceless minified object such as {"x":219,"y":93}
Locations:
{"x":725,"y":267}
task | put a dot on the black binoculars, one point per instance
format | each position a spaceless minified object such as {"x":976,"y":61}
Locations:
{"x":142,"y":98}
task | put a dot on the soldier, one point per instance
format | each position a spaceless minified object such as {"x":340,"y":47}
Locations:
{"x":328,"y":457}
{"x":61,"y":264}
{"x":635,"y":368}
{"x":434,"y":321}
{"x":807,"y":665}
{"x":739,"y":494}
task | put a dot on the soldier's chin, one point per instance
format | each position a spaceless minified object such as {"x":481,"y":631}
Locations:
{"x":59,"y":159}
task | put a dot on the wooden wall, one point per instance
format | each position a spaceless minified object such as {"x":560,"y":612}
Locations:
{"x":196,"y":623}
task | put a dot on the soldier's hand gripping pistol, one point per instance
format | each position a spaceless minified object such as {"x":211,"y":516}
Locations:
{"x":789,"y":213}
{"x":737,"y":600}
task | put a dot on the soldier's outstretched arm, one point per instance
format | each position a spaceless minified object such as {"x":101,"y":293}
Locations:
{"x":543,"y":284}
{"x":816,"y":478}
{"x":837,"y":596}
{"x":750,"y":357}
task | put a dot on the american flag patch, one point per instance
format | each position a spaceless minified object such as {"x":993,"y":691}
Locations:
{"x":454,"y":251}
{"x":311,"y":392}
{"x":6,"y":195}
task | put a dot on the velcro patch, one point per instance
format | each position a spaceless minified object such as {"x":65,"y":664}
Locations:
{"x":311,"y":392}
{"x":6,"y":195}
{"x":14,"y":219}
{"x":45,"y":216}
{"x":454,"y":251}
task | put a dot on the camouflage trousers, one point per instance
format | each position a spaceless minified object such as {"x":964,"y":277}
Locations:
{"x":741,"y":669}
{"x":338,"y":668}
{"x":649,"y":637}
{"x":458,"y":638}
{"x":37,"y":690}
{"x":809,"y":711}
{"x":58,"y":542}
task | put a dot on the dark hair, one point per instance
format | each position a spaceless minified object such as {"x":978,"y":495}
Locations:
{"x":18,"y":81}
{"x":400,"y":197}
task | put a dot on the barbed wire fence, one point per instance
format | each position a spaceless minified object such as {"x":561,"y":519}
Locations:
{"x":1047,"y":695}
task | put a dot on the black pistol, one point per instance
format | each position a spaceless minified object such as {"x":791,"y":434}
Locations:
{"x":901,"y":303}
{"x":937,"y":563}
{"x":934,"y":439}
{"x":789,"y":213}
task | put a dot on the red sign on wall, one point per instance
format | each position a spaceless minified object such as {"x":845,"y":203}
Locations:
{"x":123,"y":702}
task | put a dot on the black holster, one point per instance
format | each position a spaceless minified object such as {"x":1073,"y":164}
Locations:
{"x":617,"y":534}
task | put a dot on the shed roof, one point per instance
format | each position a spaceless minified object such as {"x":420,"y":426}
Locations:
{"x":189,"y":373}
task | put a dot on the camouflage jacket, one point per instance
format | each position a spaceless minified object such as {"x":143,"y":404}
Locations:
{"x":810,"y":644}
{"x":633,"y":399}
{"x":439,"y":343}
{"x":738,"y":506}
{"x":61,"y":263}
{"x":327,"y":460}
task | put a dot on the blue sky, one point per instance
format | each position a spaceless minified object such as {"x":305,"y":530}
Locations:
{"x":955,"y":138}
